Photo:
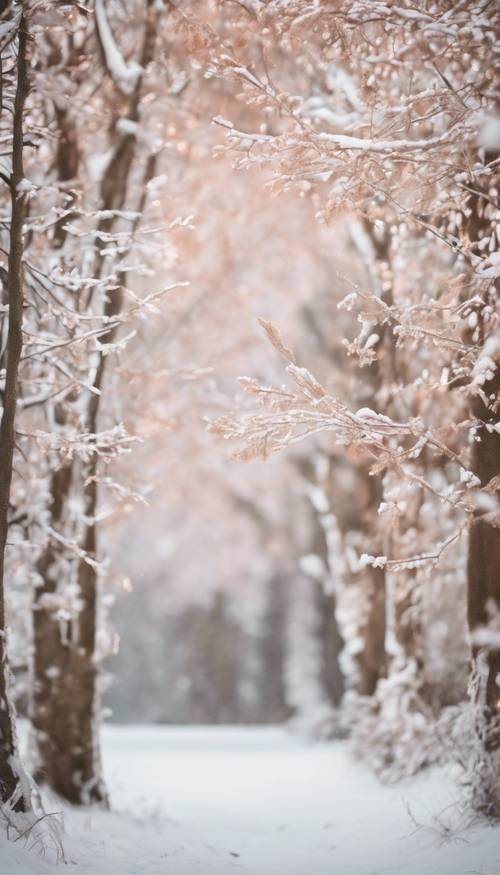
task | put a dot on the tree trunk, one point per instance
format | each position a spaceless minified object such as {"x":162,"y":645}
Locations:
{"x":483,"y":561}
{"x":62,"y":707}
{"x":371,"y":660}
{"x":14,"y":788}
{"x":67,"y":748}
{"x":331,"y":645}
{"x":483,"y":573}
{"x":325,"y":590}
{"x":330,"y":640}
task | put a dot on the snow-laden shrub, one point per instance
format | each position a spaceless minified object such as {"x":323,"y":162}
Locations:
{"x":395,"y":731}
{"x":472,"y":742}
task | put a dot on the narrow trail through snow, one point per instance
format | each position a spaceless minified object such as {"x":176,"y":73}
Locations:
{"x":223,"y":801}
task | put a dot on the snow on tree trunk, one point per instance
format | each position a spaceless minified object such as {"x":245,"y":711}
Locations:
{"x":329,"y":635}
{"x":14,"y":787}
{"x":320,"y":565}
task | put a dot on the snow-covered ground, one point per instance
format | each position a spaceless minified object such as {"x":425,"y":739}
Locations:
{"x":218,"y":801}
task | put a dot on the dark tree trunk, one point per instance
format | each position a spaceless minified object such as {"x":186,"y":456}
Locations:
{"x":483,"y":561}
{"x":14,"y":789}
{"x":483,"y":566}
{"x":372,"y":658}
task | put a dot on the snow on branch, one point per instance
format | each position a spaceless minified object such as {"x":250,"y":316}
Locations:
{"x":411,"y":562}
{"x":305,"y":409}
{"x":106,"y":444}
{"x":341,"y":141}
{"x":124,"y":75}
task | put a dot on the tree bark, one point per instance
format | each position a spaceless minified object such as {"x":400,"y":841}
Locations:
{"x":483,"y":560}
{"x":62,"y":706}
{"x":14,"y":788}
{"x":372,"y":659}
{"x":483,"y":567}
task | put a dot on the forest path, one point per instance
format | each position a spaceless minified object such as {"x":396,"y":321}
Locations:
{"x":258,"y":801}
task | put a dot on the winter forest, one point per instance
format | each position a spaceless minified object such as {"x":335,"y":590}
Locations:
{"x":250,"y":437}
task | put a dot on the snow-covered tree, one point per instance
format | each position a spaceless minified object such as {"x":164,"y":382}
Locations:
{"x":15,"y":794}
{"x":388,"y":113}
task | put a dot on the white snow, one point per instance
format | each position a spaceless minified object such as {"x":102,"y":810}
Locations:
{"x":469,"y":478}
{"x":486,"y":365}
{"x":489,"y":268}
{"x":368,"y":413}
{"x":372,"y":340}
{"x":375,"y":561}
{"x":125,"y":75}
{"x":220,"y":120}
{"x":368,"y":145}
{"x":217,"y":801}
{"x":127,"y":126}
{"x":489,"y":133}
{"x":312,"y":565}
